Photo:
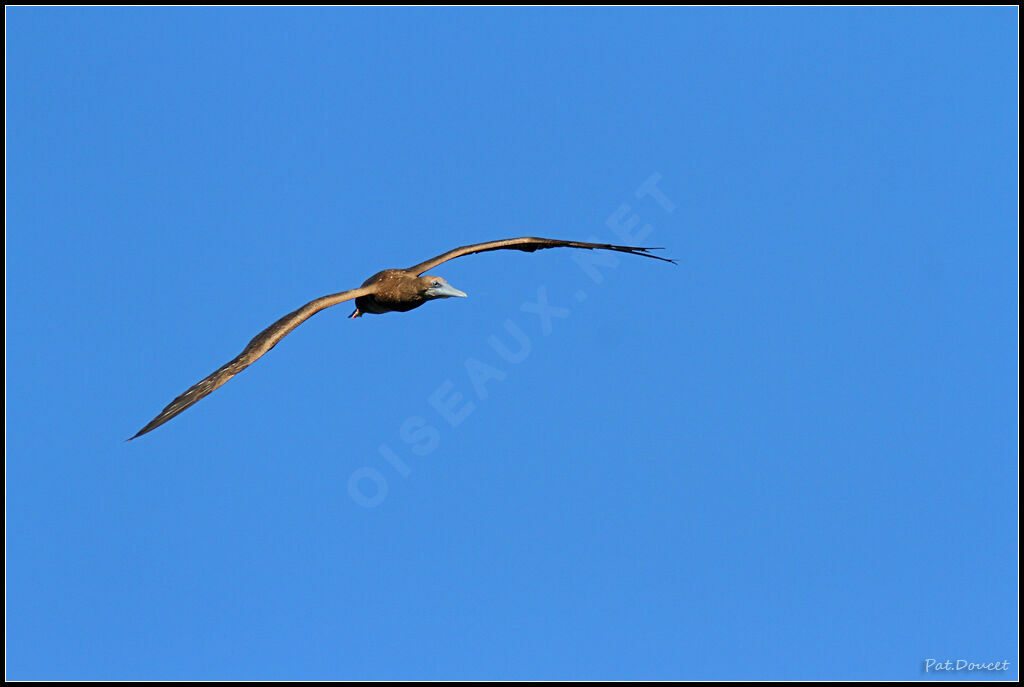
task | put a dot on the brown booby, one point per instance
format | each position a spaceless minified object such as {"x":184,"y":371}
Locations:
{"x":386,"y":291}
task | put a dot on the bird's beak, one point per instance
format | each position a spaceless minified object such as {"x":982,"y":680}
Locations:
{"x":447,"y":291}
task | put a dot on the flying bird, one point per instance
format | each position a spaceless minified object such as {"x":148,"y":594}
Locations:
{"x":387,"y":291}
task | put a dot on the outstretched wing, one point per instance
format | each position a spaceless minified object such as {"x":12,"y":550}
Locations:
{"x":262,"y":343}
{"x":528,"y":244}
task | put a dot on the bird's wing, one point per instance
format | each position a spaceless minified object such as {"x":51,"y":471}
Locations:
{"x":528,"y":244}
{"x":262,"y":343}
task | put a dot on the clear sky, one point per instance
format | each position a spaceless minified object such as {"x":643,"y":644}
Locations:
{"x":791,"y":456}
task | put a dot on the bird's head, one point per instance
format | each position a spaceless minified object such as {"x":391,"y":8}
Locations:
{"x":436,"y":287}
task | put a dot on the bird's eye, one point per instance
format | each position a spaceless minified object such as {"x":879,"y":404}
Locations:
{"x":436,"y":284}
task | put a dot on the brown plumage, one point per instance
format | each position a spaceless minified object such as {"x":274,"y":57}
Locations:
{"x":387,"y":291}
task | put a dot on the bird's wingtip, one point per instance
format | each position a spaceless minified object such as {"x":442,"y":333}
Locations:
{"x":138,"y":434}
{"x":647,"y":251}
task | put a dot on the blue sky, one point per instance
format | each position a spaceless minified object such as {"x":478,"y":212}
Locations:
{"x":791,"y":456}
